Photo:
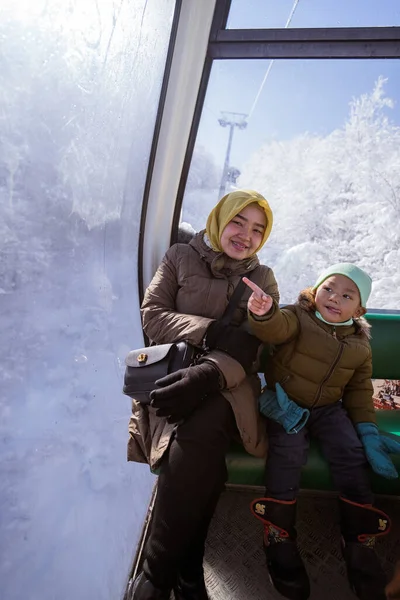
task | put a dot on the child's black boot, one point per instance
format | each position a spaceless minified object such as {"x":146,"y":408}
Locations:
{"x":286,"y":568}
{"x":361,"y":524}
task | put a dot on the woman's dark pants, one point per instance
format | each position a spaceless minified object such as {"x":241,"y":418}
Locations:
{"x":192,"y":476}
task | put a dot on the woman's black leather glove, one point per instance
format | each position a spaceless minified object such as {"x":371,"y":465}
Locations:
{"x":236,"y":342}
{"x":178,"y":394}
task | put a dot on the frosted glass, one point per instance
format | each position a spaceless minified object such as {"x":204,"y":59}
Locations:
{"x":79,"y":90}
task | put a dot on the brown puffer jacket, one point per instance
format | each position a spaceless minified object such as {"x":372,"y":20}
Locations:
{"x":316,"y":363}
{"x":192,"y":287}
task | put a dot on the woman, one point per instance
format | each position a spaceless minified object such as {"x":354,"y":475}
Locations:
{"x":194,"y":415}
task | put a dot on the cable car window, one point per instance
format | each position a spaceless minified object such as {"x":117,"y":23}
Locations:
{"x":320,"y":139}
{"x":259,"y":14}
{"x":80,"y":85}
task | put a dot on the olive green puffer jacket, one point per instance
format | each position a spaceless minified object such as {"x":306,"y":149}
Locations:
{"x":316,"y":363}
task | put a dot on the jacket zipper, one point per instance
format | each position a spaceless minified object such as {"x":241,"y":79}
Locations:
{"x":335,"y":362}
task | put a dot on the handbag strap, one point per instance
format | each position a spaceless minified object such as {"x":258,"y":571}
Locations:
{"x":234,"y":300}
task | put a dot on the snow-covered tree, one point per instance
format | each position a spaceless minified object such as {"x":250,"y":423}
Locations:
{"x":335,"y":198}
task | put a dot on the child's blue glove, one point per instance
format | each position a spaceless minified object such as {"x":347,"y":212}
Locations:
{"x":278,"y":407}
{"x":376,"y":448}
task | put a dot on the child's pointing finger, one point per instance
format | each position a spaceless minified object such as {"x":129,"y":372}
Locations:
{"x":255,"y":289}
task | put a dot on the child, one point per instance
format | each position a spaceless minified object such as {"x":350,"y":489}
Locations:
{"x":319,"y":384}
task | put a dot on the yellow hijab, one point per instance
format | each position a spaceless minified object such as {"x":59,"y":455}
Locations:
{"x":228,"y":207}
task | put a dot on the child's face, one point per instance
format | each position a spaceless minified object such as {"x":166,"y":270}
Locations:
{"x":243,"y":235}
{"x":338,"y":299}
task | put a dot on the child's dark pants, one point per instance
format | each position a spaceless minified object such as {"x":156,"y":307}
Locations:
{"x":340,"y":445}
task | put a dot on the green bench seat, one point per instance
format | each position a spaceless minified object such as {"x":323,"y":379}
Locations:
{"x":244,"y":469}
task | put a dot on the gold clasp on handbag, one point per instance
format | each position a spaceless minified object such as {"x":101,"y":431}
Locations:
{"x":142,"y":358}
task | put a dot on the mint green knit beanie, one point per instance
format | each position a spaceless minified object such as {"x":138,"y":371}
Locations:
{"x":362,"y":280}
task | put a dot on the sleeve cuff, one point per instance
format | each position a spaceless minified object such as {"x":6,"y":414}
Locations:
{"x":267,"y":316}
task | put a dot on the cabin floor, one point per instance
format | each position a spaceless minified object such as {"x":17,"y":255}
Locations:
{"x":235,"y":566}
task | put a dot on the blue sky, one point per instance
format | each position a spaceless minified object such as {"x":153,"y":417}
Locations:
{"x":299,"y":95}
{"x":314,"y":13}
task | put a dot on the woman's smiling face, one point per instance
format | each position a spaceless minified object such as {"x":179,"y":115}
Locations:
{"x":244,"y":234}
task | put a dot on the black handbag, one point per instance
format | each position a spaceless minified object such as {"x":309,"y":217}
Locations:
{"x":146,"y":365}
